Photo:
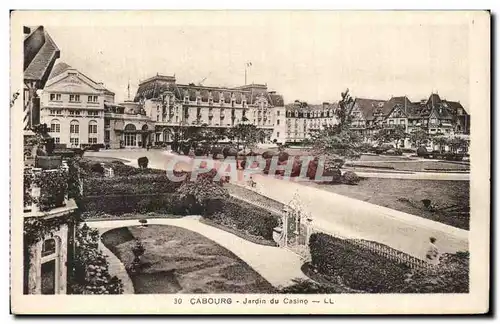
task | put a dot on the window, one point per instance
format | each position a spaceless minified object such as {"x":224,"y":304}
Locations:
{"x":93,"y":127}
{"x":433,"y":121}
{"x":57,"y":140}
{"x":55,"y":97}
{"x":402,"y":122}
{"x":278,"y":122}
{"x":74,"y":98}
{"x":75,"y":141}
{"x":92,"y":113}
{"x":55,"y":126}
{"x":278,"y":113}
{"x":277,"y":134}
{"x":57,"y":112}
{"x":106,"y":135}
{"x":391,"y":122}
{"x":93,"y":99}
{"x":74,"y":113}
{"x":92,"y":140}
{"x":74,"y":128}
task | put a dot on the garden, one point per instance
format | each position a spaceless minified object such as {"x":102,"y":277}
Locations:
{"x":176,"y":260}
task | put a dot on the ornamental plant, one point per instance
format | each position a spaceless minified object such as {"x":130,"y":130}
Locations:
{"x":90,"y":268}
{"x":53,"y":186}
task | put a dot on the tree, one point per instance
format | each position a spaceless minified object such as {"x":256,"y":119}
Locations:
{"x":458,"y":143}
{"x":337,"y":141}
{"x":419,"y":137}
{"x":246,"y":134}
{"x":387,"y":135}
{"x":441,"y":142}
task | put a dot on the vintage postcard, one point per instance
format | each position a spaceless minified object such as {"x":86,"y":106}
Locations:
{"x":250,"y":162}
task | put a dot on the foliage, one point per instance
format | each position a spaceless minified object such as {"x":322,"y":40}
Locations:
{"x":94,"y":207}
{"x":419,"y":137}
{"x":97,"y":168}
{"x":90,"y":268}
{"x":74,"y":177}
{"x":421,"y":151}
{"x":304,"y":286}
{"x":394,"y":135}
{"x":358,"y":267}
{"x":350,"y":178}
{"x":136,"y":184}
{"x":451,"y":276}
{"x":440,"y":141}
{"x":53,"y":186}
{"x":246,"y":134}
{"x":196,"y":194}
{"x":337,"y":141}
{"x":458,"y":143}
{"x":27,"y":183}
{"x":244,"y":217}
{"x":37,"y":228}
{"x":143,"y":162}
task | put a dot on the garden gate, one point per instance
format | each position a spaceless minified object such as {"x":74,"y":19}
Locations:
{"x":296,"y":228}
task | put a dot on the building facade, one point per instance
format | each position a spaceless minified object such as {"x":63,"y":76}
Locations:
{"x":73,"y":107}
{"x":127,"y":126}
{"x":303,"y":118}
{"x":434,"y":115}
{"x":174,"y":107}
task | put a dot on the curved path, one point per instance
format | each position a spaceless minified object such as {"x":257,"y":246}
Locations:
{"x":278,"y":266}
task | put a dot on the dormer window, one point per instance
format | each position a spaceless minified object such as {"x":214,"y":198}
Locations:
{"x":244,"y":103}
{"x":186,"y":99}
{"x":198,"y":100}
{"x":210,"y":101}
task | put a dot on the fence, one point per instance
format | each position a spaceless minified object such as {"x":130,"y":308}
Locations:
{"x":375,"y":247}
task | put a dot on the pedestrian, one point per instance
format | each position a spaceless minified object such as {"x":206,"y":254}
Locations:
{"x":432,"y":255}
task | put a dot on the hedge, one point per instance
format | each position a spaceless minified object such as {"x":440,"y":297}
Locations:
{"x":358,"y":267}
{"x":123,"y":204}
{"x":137,"y":184}
{"x":244,"y":217}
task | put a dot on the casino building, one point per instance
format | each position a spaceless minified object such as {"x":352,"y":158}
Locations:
{"x":174,"y":107}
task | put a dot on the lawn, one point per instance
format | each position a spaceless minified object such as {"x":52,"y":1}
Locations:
{"x":253,"y":196}
{"x":449,"y":198}
{"x":420,"y":166}
{"x":177,"y":260}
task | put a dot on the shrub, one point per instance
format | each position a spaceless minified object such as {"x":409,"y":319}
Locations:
{"x":451,"y":276}
{"x":97,"y":168}
{"x":89,"y":273}
{"x":422,"y":151}
{"x":247,"y":218}
{"x":301,"y":286}
{"x":53,"y":186}
{"x":197,"y":194}
{"x":283,"y":156}
{"x":357,"y":266}
{"x":123,"y":204}
{"x":143,"y":162}
{"x":134,"y":184}
{"x":350,"y":178}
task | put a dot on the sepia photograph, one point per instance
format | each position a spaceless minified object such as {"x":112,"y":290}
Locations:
{"x":235,"y":162}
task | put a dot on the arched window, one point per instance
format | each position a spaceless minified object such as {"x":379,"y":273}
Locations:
{"x":144,"y":127}
{"x":74,"y":133}
{"x":50,"y":266}
{"x":55,"y":126}
{"x":130,"y":127}
{"x":92,"y":132}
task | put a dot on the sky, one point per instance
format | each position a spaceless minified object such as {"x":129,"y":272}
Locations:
{"x":307,"y":56}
